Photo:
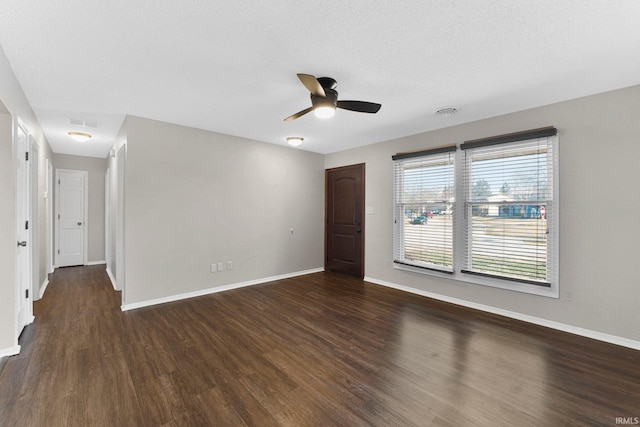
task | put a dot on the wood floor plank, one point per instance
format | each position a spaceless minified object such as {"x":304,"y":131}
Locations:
{"x":316,"y":350}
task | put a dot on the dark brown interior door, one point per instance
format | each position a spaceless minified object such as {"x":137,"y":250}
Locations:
{"x":344,"y":232}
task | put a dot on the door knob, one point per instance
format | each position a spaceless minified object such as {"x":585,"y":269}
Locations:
{"x":23,"y":243}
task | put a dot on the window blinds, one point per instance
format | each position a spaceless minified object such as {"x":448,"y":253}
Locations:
{"x":509,"y":206}
{"x":424,"y":203}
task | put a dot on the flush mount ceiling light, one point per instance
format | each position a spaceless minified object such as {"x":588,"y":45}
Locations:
{"x":295,"y":140}
{"x":446,"y":111}
{"x":80,"y":136}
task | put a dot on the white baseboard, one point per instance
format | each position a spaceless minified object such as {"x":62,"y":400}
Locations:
{"x":11,"y":351}
{"x":43,"y":287}
{"x":612,"y":339}
{"x":96,"y":262}
{"x":113,"y":279}
{"x":133,"y":306}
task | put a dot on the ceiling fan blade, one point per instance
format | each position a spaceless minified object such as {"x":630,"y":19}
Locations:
{"x":298,"y":114}
{"x":359,"y":106}
{"x":312,"y":84}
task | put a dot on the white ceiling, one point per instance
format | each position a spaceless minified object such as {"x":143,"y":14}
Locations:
{"x":230,"y":66}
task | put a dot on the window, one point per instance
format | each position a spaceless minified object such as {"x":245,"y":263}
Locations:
{"x":504,"y":230}
{"x":509,"y":202}
{"x":424,"y":200}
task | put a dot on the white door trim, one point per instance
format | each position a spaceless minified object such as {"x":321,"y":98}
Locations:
{"x":107,"y":218}
{"x":34,"y":215}
{"x":121,"y":157}
{"x":85,"y":243}
{"x":24,"y":305}
{"x":49,"y":198}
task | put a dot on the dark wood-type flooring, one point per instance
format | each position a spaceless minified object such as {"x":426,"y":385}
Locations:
{"x":318,"y":350}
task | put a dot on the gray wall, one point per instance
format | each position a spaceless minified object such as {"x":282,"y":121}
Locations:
{"x":194,"y":197}
{"x":14,"y":101}
{"x":41,"y":271}
{"x":599,"y":144}
{"x":96,"y":168}
{"x":7,"y":237}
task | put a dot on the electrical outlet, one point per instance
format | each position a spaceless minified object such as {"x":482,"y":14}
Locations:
{"x":229,"y":265}
{"x":214,"y":268}
{"x":220,"y":266}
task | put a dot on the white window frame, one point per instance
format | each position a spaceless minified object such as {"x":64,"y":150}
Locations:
{"x":434,"y":156}
{"x":459,"y":220}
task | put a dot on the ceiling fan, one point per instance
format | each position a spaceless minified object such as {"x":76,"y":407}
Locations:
{"x":324,"y":99}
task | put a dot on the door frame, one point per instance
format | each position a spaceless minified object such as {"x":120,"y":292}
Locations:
{"x":107,"y":218}
{"x":120,"y":160}
{"x":85,"y":243}
{"x":34,"y":215}
{"x":49,"y":202}
{"x":24,"y":272}
{"x":362,"y":168}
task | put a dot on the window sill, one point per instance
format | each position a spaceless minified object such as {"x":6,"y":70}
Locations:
{"x":549,"y":292}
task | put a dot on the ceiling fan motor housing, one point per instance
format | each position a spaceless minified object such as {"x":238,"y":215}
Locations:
{"x":330,"y":100}
{"x":327,"y":83}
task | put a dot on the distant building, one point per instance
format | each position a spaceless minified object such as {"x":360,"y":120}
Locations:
{"x":499,"y":210}
{"x":496,"y":208}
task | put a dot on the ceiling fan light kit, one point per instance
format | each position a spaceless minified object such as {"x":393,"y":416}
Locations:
{"x":324,"y":99}
{"x":324,"y":111}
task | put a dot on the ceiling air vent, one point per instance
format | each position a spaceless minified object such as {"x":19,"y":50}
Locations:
{"x":83,"y":123}
{"x":446,"y":111}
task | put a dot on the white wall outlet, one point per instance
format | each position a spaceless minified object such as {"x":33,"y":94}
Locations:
{"x":214,"y":268}
{"x":229,"y":265}
{"x":220,"y":266}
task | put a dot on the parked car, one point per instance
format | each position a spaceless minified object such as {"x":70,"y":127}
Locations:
{"x":419,"y":220}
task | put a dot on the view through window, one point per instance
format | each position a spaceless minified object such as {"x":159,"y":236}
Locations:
{"x":484,"y":213}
